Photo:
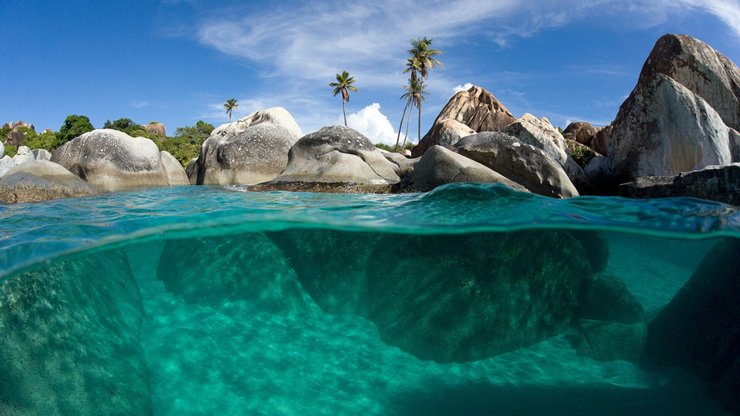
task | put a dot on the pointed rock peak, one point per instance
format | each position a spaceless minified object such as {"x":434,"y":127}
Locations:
{"x":477,"y":108}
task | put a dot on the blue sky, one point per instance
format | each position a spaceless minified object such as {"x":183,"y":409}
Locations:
{"x":177,"y":61}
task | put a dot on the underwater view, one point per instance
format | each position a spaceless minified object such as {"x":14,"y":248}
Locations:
{"x":468,"y":300}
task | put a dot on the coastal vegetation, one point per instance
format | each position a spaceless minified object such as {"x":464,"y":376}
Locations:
{"x":344,"y":85}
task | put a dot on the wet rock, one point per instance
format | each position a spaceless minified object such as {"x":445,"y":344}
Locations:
{"x":610,"y":341}
{"x":699,"y":329}
{"x":70,"y":340}
{"x":250,"y":150}
{"x":475,"y":108}
{"x":40,"y":180}
{"x":608,"y":299}
{"x":111,"y":160}
{"x":439,"y":166}
{"x":716,"y":183}
{"x":522,"y":163}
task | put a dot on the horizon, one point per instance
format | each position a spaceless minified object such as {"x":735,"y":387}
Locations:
{"x":178,"y":61}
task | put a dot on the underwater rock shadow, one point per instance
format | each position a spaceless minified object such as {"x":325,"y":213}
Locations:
{"x":486,"y":399}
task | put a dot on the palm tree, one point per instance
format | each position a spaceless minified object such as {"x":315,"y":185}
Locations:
{"x":230,"y":105}
{"x":422,"y":60}
{"x":416,"y":96}
{"x":414,"y":90}
{"x":344,"y":85}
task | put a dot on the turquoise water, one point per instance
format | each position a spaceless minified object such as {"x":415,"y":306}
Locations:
{"x":210,"y":300}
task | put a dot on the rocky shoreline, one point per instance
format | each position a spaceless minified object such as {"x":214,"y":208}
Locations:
{"x":675,"y":135}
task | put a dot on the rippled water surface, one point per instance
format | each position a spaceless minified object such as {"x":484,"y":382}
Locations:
{"x":223,"y":301}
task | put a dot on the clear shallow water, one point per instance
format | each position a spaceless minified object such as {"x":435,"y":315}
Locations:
{"x":234,"y":319}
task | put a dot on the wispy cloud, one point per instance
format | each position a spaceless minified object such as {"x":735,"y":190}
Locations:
{"x":139,"y":104}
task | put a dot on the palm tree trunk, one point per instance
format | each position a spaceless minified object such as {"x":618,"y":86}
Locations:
{"x":345,"y":114}
{"x":400,"y":126}
{"x":229,"y":116}
{"x":408,"y":123}
{"x":419,"y":121}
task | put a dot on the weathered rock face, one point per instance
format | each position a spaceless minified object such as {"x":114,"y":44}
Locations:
{"x":2,"y":149}
{"x":250,"y":150}
{"x":716,"y":183}
{"x":156,"y":128}
{"x":111,"y":160}
{"x":699,"y":329}
{"x":581,"y":132}
{"x":40,"y":180}
{"x":70,"y":340}
{"x":608,"y":299}
{"x":520,"y":162}
{"x":698,"y":67}
{"x":15,"y":138}
{"x":337,"y":154}
{"x":173,"y":170}
{"x":405,"y":165}
{"x":439,"y":166}
{"x":23,"y":155}
{"x":6,"y":163}
{"x":609,"y":341}
{"x":475,"y":108}
{"x":543,"y":135}
{"x":664,"y":129}
{"x":41,"y":154}
{"x":445,"y":133}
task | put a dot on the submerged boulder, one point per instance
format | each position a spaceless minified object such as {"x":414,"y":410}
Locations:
{"x":111,"y":160}
{"x":478,"y":295}
{"x":336,"y":155}
{"x":522,"y":163}
{"x":475,"y":108}
{"x":41,"y":180}
{"x":250,"y":150}
{"x":699,"y":329}
{"x":70,"y":340}
{"x":439,"y":166}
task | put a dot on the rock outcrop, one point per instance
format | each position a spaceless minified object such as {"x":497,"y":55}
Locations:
{"x":111,"y":160}
{"x":173,"y":170}
{"x":41,"y":154}
{"x":70,"y":340}
{"x":439,"y":166}
{"x":475,"y":108}
{"x":716,"y":183}
{"x":156,"y":128}
{"x":250,"y":150}
{"x":522,"y":163}
{"x":541,"y":134}
{"x":682,"y":115}
{"x":40,"y":180}
{"x":699,"y":329}
{"x":6,"y":163}
{"x":336,"y":155}
{"x":23,"y":155}
{"x":581,"y":132}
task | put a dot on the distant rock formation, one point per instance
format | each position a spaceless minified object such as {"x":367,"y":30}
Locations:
{"x":475,"y":108}
{"x":248,"y":151}
{"x":581,"y":132}
{"x":681,"y":116}
{"x":111,"y":160}
{"x":156,"y":128}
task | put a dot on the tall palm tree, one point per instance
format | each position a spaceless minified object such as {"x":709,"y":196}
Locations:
{"x":413,"y":96}
{"x":416,"y":95}
{"x":344,"y":85}
{"x":421,"y":62}
{"x":230,"y":106}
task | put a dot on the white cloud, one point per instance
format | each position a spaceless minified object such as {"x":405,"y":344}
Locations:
{"x":375,"y":125}
{"x":463,"y":87}
{"x":139,"y":104}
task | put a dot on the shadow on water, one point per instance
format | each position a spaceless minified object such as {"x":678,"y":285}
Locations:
{"x":485,"y":399}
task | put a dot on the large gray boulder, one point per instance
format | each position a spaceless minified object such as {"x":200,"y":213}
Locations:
{"x":41,"y":154}
{"x":250,"y":150}
{"x":664,"y":129}
{"x":111,"y":160}
{"x":70,"y":340}
{"x":701,"y":69}
{"x":6,"y":163}
{"x":173,"y":170}
{"x":337,"y":154}
{"x":541,"y":134}
{"x":439,"y":166}
{"x":475,"y":108}
{"x":40,"y":180}
{"x":522,"y":163}
{"x":23,"y":155}
{"x":699,"y":330}
{"x":716,"y":183}
{"x":405,"y":165}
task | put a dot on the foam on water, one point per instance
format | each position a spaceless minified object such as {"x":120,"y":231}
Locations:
{"x":216,"y":350}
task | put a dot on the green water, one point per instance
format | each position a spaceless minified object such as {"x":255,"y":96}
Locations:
{"x":206,"y":300}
